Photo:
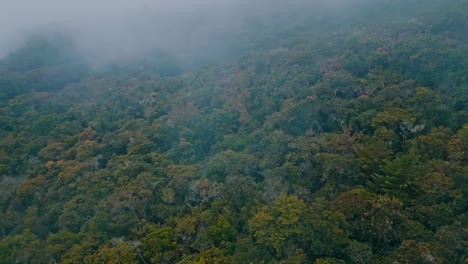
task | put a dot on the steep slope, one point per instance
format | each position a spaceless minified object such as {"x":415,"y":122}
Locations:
{"x":308,"y":146}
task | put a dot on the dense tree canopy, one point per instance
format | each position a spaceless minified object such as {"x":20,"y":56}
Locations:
{"x":339,"y":145}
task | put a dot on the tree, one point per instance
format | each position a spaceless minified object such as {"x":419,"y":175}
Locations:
{"x":116,"y":252}
{"x":398,"y":120}
{"x":372,"y":218}
{"x":397,"y":177}
{"x":359,"y":253}
{"x":326,"y":229}
{"x":279,"y":225}
{"x":157,"y":243}
{"x":371,"y":156}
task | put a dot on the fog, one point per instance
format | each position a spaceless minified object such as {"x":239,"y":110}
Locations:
{"x":112,"y":30}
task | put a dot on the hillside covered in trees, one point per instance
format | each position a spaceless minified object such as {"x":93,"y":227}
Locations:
{"x":316,"y":140}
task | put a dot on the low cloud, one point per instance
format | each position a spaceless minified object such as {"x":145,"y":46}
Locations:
{"x":106,"y":30}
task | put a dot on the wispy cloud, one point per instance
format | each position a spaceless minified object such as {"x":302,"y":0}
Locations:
{"x":116,"y":29}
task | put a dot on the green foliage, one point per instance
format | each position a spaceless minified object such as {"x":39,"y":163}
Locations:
{"x":156,"y":242}
{"x":359,"y":252}
{"x":371,"y":156}
{"x":330,"y":144}
{"x":397,"y":177}
{"x":117,"y":252}
{"x":328,"y":230}
{"x":372,"y":217}
{"x":231,"y":163}
{"x":274,"y":226}
{"x":329,"y":261}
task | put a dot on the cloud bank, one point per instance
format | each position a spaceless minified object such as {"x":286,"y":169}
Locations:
{"x":126,"y":28}
{"x":109,"y":30}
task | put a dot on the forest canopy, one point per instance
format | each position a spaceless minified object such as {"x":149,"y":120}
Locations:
{"x":333,"y":138}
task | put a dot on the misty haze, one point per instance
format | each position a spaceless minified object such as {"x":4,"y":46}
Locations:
{"x":124,"y":29}
{"x":107,"y":31}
